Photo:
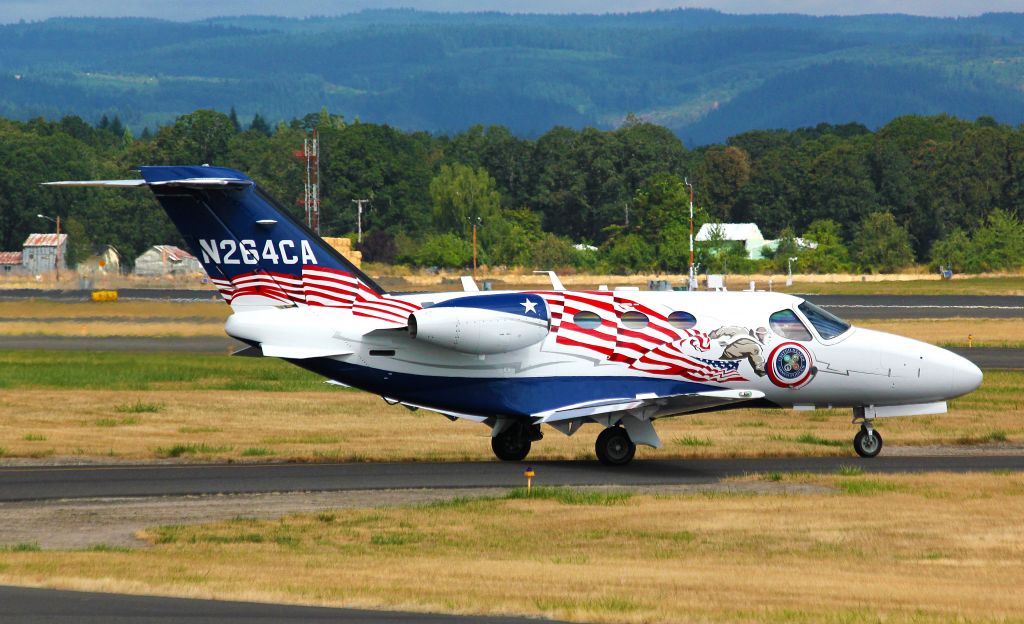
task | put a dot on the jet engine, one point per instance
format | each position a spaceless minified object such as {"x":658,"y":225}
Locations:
{"x":483,"y":324}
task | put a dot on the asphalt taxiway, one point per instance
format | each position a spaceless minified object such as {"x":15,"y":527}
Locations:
{"x":24,"y":605}
{"x":63,"y":482}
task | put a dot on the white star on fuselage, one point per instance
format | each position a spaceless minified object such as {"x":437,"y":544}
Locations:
{"x":529,"y":306}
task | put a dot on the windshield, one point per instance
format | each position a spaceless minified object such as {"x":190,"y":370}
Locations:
{"x":829,"y":326}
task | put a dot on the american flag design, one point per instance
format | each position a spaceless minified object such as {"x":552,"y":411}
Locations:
{"x":658,"y":348}
{"x":671,"y":360}
{"x":589,"y":340}
{"x":319,"y":286}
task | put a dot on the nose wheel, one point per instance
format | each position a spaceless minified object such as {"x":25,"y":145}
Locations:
{"x":614,"y":447}
{"x":867,"y":442}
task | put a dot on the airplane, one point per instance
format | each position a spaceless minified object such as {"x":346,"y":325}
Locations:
{"x":518,"y":360}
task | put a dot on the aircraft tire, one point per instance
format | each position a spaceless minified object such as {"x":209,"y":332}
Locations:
{"x":867,"y":445}
{"x":511,"y":445}
{"x":614,"y":448}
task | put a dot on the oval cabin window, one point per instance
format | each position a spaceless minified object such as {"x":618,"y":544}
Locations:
{"x":634,"y":320}
{"x":681,"y":320}
{"x":586,"y":320}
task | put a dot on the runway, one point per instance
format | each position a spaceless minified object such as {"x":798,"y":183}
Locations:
{"x":855,"y":307}
{"x":64,"y":482}
{"x":23,"y":605}
{"x":852,"y":307}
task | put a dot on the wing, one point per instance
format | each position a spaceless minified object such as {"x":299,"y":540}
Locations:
{"x":649,"y":406}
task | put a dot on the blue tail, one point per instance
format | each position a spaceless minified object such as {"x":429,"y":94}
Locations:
{"x":252,"y":248}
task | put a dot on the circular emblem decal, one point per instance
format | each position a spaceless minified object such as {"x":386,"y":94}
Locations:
{"x":789,"y":365}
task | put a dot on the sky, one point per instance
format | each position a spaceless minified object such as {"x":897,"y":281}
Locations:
{"x":32,"y":10}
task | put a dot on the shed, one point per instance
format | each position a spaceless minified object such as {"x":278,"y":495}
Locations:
{"x":161,"y":260}
{"x":10,"y":262}
{"x":104,"y":260}
{"x":42,"y":252}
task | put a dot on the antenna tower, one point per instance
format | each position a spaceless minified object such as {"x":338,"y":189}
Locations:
{"x":311,"y":198}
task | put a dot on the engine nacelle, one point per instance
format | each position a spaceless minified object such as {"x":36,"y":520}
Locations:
{"x":483,"y":324}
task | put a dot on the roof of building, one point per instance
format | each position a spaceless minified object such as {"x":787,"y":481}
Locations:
{"x":10,"y":257}
{"x":172,"y":253}
{"x":731,"y":231}
{"x":44,"y":240}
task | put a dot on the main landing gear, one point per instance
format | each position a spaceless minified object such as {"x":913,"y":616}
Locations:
{"x":867,"y":442}
{"x":614,"y":447}
{"x":514,"y":442}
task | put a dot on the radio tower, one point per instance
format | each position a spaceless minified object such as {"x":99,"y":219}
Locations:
{"x":311,"y":153}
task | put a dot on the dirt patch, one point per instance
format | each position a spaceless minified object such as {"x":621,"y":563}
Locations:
{"x":114,"y":522}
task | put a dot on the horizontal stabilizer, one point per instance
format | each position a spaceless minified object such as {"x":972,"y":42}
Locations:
{"x":185,"y":183}
{"x":302,"y":353}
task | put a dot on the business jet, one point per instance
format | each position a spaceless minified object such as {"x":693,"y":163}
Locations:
{"x":519,"y":360}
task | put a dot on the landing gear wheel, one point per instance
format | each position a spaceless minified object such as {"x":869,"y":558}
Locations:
{"x":614,"y":448}
{"x":512,"y":444}
{"x":867,"y":443}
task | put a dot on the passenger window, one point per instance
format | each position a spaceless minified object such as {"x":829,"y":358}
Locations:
{"x":786,"y":324}
{"x":828,"y":325}
{"x":634,"y":320}
{"x":587,"y":320}
{"x":681,"y":320}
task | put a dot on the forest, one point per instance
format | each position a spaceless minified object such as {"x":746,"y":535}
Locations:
{"x":704,"y":75}
{"x":933,"y":190}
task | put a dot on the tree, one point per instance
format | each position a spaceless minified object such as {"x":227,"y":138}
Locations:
{"x":444,"y":250}
{"x":259,"y":124}
{"x":461,"y":196}
{"x":630,"y":254}
{"x":882,"y":245}
{"x":829,"y":255}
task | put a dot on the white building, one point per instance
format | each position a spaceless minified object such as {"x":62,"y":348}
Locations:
{"x":161,"y":260}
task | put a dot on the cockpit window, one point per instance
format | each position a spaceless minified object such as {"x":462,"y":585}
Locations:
{"x":786,"y":324}
{"x":829,"y":326}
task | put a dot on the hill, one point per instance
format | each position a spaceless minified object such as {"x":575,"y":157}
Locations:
{"x":703,"y":74}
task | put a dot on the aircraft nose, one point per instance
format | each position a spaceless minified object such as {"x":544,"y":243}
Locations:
{"x":964,"y":376}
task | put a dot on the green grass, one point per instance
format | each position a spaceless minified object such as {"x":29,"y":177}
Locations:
{"x":257,"y":451}
{"x":199,"y":430}
{"x":21,"y":547}
{"x":692,"y":441}
{"x":179,"y":450}
{"x":117,"y":422}
{"x":34,"y":437}
{"x":866,"y":487}
{"x":147,"y":371}
{"x":810,"y":438}
{"x":570,"y":496}
{"x":394,"y":539}
{"x":139,"y":407}
{"x":850,"y":471}
{"x":997,"y":435}
{"x":107,"y":548}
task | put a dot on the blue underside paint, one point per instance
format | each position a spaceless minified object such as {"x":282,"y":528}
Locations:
{"x":516,"y":396}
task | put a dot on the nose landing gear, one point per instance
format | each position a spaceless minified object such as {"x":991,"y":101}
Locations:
{"x":867,"y":442}
{"x":514,"y":442}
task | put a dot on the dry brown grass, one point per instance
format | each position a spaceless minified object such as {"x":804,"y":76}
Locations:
{"x":94,"y":328}
{"x":355,"y":426}
{"x":28,"y":309}
{"x":954,"y":331}
{"x":923,"y":548}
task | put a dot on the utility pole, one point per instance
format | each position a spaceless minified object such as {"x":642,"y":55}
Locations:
{"x":692,"y":285}
{"x":56,"y":265}
{"x":310,"y":154}
{"x":359,"y":217}
{"x":475,"y":221}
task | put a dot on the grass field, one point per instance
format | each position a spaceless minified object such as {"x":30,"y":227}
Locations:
{"x":774,"y":548}
{"x":209,"y":407}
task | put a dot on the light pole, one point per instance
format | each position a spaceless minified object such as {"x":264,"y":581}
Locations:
{"x":475,"y":221}
{"x":692,"y":285}
{"x":359,"y":217}
{"x":789,"y":273}
{"x":56,"y":265}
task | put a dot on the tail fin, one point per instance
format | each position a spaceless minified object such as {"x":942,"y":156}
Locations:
{"x":255,"y":252}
